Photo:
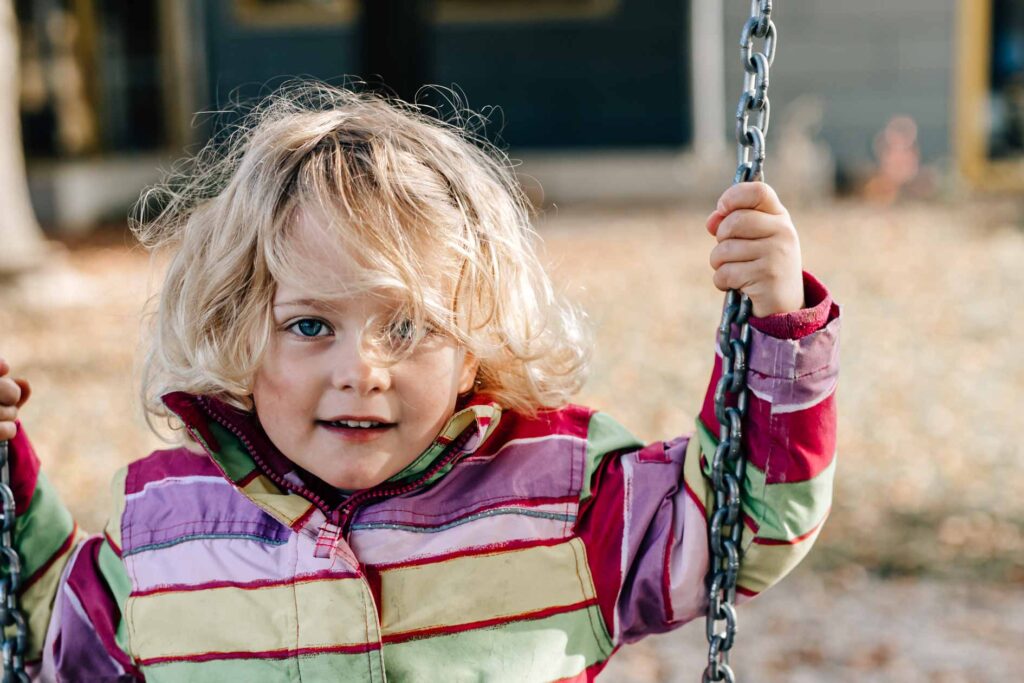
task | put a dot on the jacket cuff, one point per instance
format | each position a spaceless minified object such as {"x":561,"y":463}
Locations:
{"x":24,"y":469}
{"x":818,"y":311}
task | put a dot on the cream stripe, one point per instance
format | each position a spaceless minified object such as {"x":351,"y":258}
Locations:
{"x":482,"y":587}
{"x":233,"y":619}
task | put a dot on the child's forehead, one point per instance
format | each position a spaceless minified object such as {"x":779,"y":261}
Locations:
{"x":317,"y":261}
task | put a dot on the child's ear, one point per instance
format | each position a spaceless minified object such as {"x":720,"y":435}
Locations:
{"x":467,"y":376}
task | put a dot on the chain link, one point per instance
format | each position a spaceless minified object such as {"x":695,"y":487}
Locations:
{"x":754,"y":109}
{"x":728,"y":465}
{"x":14,"y":639}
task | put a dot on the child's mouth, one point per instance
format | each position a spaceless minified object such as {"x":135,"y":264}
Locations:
{"x":356,"y":430}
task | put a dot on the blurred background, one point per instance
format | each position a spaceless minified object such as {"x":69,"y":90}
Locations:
{"x":897,"y":142}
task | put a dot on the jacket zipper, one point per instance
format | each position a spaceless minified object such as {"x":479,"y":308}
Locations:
{"x":341,"y":515}
{"x":273,"y":476}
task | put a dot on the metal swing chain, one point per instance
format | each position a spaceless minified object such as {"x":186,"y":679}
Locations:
{"x":728,"y":466}
{"x":10,"y":580}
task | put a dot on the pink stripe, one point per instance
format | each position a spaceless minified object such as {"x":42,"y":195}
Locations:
{"x":689,"y":562}
{"x":394,"y":547}
{"x":203,"y":561}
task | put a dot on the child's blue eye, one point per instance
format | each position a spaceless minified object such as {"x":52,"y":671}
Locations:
{"x":405,"y":330}
{"x":309,"y":327}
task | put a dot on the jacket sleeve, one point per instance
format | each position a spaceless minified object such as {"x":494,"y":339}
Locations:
{"x":72,"y":584}
{"x":644,"y":517}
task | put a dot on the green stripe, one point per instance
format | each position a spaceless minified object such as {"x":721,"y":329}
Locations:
{"x":604,"y":436}
{"x":365,"y":666}
{"x":42,"y":529}
{"x":782,"y":511}
{"x":559,"y":646}
{"x":232,"y":455}
{"x":115,"y":575}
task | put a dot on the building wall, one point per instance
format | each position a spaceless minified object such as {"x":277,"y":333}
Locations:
{"x":614,"y":79}
{"x":865,"y":61}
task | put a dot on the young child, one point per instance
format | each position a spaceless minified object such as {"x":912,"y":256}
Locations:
{"x":380,"y":476}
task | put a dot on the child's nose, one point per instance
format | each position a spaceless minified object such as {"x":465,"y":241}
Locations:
{"x":353,"y":371}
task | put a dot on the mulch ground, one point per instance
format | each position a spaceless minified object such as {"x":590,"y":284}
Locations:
{"x":919,"y":574}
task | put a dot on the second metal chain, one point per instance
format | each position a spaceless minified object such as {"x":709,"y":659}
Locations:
{"x":728,"y":466}
{"x":14,"y":639}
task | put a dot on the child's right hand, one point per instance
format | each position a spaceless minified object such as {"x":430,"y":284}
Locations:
{"x":13,"y":394}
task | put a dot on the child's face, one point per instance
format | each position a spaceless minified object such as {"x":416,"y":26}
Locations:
{"x":313,"y":375}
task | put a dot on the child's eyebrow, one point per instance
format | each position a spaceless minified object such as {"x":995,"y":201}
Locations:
{"x":311,"y":303}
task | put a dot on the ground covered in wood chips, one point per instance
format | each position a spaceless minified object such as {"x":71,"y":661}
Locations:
{"x":919,"y":573}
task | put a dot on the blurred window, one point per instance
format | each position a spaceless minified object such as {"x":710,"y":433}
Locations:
{"x":279,"y":13}
{"x":1006,"y":80}
{"x":282,"y":13}
{"x":90,"y":77}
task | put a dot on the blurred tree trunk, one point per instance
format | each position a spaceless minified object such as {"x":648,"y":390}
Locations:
{"x":22,"y":245}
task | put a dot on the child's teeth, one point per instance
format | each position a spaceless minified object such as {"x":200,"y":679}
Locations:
{"x":352,"y":423}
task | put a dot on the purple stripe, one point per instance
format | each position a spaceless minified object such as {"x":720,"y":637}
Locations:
{"x":654,"y":504}
{"x":209,"y":560}
{"x":78,"y":653}
{"x":89,"y":618}
{"x":170,"y":511}
{"x":391,"y":546}
{"x":177,"y":462}
{"x":792,"y":359}
{"x":777,"y":364}
{"x":545,"y":468}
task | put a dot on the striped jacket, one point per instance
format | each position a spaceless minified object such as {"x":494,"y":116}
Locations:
{"x":514,"y":549}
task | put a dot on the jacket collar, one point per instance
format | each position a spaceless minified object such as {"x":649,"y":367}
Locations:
{"x":234,"y":439}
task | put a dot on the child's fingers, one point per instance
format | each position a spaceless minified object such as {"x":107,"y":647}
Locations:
{"x":10,"y":392}
{"x":738,"y":275}
{"x":756,"y":196}
{"x":735,"y":251}
{"x":4,"y":367}
{"x":26,"y":391}
{"x":747,"y":224}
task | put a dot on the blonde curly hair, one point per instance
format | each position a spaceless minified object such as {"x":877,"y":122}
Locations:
{"x":412,"y":199}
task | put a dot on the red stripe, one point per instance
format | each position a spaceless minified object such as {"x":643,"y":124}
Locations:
{"x":800,"y":445}
{"x":61,"y":551}
{"x":588,"y":674}
{"x":24,"y":469}
{"x":113,"y":546}
{"x":695,"y":498}
{"x":485,"y":623}
{"x":265,"y":654}
{"x":303,"y":518}
{"x":491,"y":549}
{"x":666,"y":582}
{"x":94,"y":595}
{"x":249,"y":478}
{"x":792,"y":541}
{"x":571,"y":420}
{"x":325,"y":575}
{"x":601,"y":527}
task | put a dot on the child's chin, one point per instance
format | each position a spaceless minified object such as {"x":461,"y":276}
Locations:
{"x":355,"y":481}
